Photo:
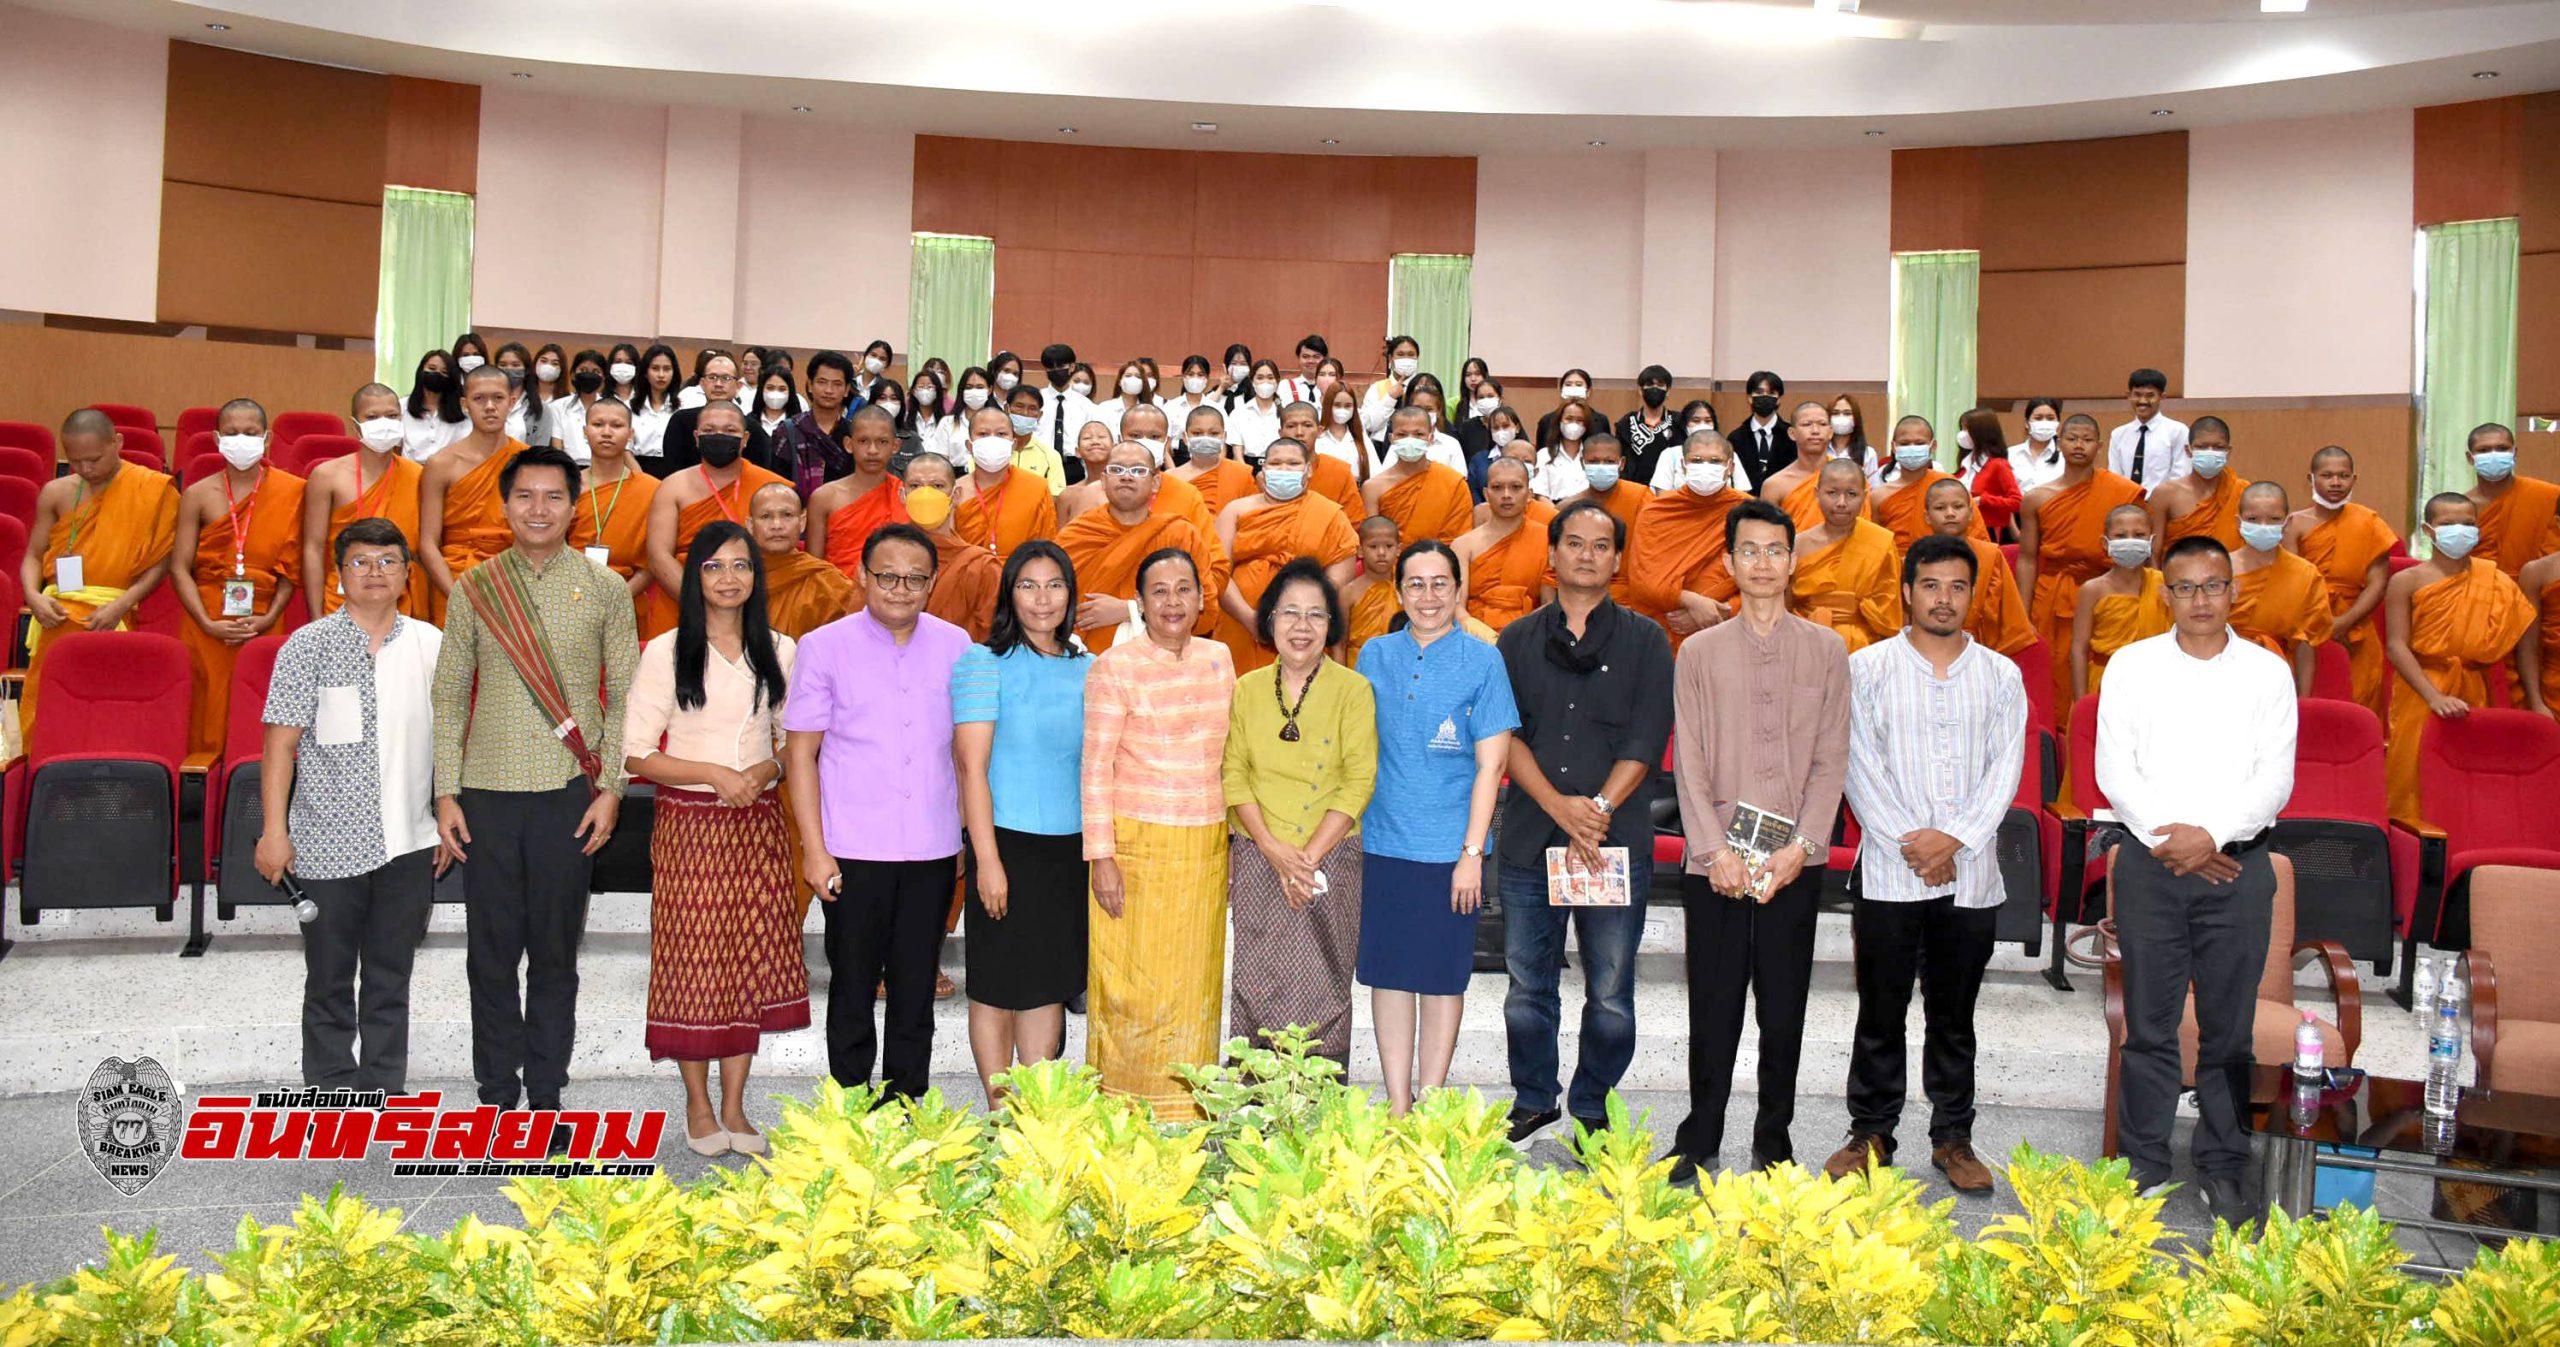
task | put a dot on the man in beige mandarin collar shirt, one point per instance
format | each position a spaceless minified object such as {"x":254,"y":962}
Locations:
{"x":1761,"y":716}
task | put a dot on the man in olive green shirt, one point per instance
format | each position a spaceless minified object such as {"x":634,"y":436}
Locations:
{"x":511,"y":797}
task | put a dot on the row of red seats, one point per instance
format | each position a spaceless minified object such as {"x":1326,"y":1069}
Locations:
{"x":23,"y":473}
{"x":143,"y":444}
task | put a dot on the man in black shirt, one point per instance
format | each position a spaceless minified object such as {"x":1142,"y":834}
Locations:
{"x":1652,"y":428}
{"x":1762,"y":444}
{"x":719,"y":384}
{"x":1593,"y":683}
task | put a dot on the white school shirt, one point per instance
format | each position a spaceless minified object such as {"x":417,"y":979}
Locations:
{"x":649,"y":429}
{"x":422,"y":436}
{"x":1251,"y":429}
{"x":1337,"y":443}
{"x":2207,"y":742}
{"x":2164,"y":451}
{"x":2035,"y":469}
{"x":567,"y":419}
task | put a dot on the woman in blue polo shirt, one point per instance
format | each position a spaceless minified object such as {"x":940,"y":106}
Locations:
{"x":1445,"y":718}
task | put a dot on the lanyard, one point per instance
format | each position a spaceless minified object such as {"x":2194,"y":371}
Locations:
{"x":990,"y":502}
{"x":239,"y":532}
{"x":79,"y":493}
{"x":716,"y":498}
{"x":604,"y":517}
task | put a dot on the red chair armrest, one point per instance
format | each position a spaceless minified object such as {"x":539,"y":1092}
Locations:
{"x":2407,"y":861}
{"x":2420,"y":827}
{"x":2484,"y":1013}
{"x":2344,"y":988}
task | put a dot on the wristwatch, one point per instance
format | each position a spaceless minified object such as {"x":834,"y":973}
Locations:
{"x":1601,"y":803}
{"x":1472,"y":852}
{"x":1813,"y":851}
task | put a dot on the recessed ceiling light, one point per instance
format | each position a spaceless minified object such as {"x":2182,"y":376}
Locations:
{"x":1206,"y":128}
{"x":1331,"y":141}
{"x":1595,"y":144}
{"x":1875,"y":133}
{"x":1066,"y":130}
{"x":2484,"y":74}
{"x":1835,"y":6}
{"x":799,"y":107}
{"x":2283,"y":6}
{"x":219,"y":27}
{"x":521,"y":74}
{"x":2164,"y":112}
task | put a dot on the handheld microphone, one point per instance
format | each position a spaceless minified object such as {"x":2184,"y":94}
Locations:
{"x":304,"y":910}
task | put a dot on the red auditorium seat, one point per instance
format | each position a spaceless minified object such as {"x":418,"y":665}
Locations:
{"x":29,"y":436}
{"x":18,"y":500}
{"x":292,"y":426}
{"x":2077,"y":818}
{"x":197,"y":420}
{"x":2332,"y":673}
{"x":2487,"y":782}
{"x":199,"y":468}
{"x":13,"y":550}
{"x":198,"y":445}
{"x":2035,"y":666}
{"x":304,"y":454}
{"x":18,"y":462}
{"x":2359,"y":870}
{"x":145,"y":447}
{"x":89,"y":817}
{"x":233,"y":812}
{"x":129,"y":417}
{"x":2029,"y":847}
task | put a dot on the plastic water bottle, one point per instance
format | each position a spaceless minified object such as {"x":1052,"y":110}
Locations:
{"x":2422,"y":994}
{"x":2309,"y":1052}
{"x":2444,"y":1061}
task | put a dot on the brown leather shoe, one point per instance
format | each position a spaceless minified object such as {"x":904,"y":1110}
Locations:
{"x":942,"y":988}
{"x":1963,"y":1168}
{"x":1862,"y":1148}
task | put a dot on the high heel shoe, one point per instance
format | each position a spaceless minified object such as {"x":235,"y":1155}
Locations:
{"x":747,"y":1143}
{"x":717,"y":1143}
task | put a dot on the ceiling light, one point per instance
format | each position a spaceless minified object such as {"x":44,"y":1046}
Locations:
{"x":1875,"y":133}
{"x":1595,"y":144}
{"x":1835,"y":6}
{"x":521,"y":74}
{"x":799,"y":107}
{"x":219,"y":27}
{"x":1066,"y":130}
{"x":1206,"y":128}
{"x":2164,"y":112}
{"x":1331,"y":141}
{"x":2484,"y":74}
{"x":2283,"y":6}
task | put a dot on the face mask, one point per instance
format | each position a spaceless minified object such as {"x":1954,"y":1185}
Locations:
{"x":973,"y":398}
{"x":1081,"y":390}
{"x":1024,"y":425}
{"x":720,"y":450}
{"x":623,"y":371}
{"x":1342,"y":416}
{"x":1155,"y":448}
{"x":2129,"y":551}
{"x":1411,"y":450}
{"x":515,"y":377}
{"x":1699,"y":428}
{"x":1131,"y":385}
{"x":2209,"y":462}
{"x":2043,"y":429}
{"x":1203,"y":448}
{"x":1237,"y":374}
{"x":469,"y":362}
{"x":1264,"y":388}
{"x":1007,"y":379}
{"x":990,"y":452}
{"x":2455,"y":541}
{"x":1195,"y":384}
{"x":1576,"y":391}
{"x":1911,"y":457}
{"x":874,"y":365}
{"x":1964,"y":441}
{"x":546,"y":371}
{"x":381,"y":433}
{"x":1703,"y":479}
{"x":1602,"y":476}
{"x":1764,"y":404}
{"x":2327,"y":504}
{"x":1655,"y":397}
{"x":2263,"y":537}
{"x":435,"y":381}
{"x":587,"y":381}
{"x":1571,"y":430}
{"x":242,"y":451}
{"x":775,"y":399}
{"x":927,"y":506}
{"x":1284,"y":483}
{"x":1487,"y":406}
{"x":1503,"y":435}
{"x":891,"y":408}
{"x":1405,"y":365}
{"x":928,"y":397}
{"x":1843,"y":425}
{"x":2496,"y":465}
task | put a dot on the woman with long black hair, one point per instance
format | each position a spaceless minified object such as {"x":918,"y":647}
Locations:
{"x":432,"y":417}
{"x":724,"y":919}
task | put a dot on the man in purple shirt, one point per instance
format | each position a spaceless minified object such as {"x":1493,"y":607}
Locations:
{"x":869,"y":724}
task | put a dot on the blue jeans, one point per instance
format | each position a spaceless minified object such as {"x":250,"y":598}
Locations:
{"x":1533,"y":947}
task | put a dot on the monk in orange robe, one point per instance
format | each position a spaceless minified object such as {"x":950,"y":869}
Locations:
{"x":118,"y":519}
{"x":1901,"y":501}
{"x":801,"y":593}
{"x":2351,"y":545}
{"x":2278,"y":600}
{"x":1106,"y":546}
{"x":1605,"y":459}
{"x":377,"y":481}
{"x":711,"y":489}
{"x":241,"y":530}
{"x":612,"y":524}
{"x":1794,"y":488}
{"x":1847,"y":575}
{"x":2118,"y":608}
{"x":1675,"y":564}
{"x":2449,"y":618}
{"x":1093,"y":449}
{"x":2519,"y":516}
{"x":1269,"y":529}
{"x":1998,"y":617}
{"x":843,"y":513}
{"x":2062,"y":543}
{"x":1327,"y":476}
{"x":2538,"y":656}
{"x":1370,"y":600}
{"x":966,"y":577}
{"x":460,"y":513}
{"x":2205,"y":503}
{"x":1000,"y":506}
{"x":1504,"y":559}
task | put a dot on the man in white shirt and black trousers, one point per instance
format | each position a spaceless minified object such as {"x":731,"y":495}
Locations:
{"x":2195,"y":755}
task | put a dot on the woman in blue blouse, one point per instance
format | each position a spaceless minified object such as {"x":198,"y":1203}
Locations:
{"x":1018,"y":704}
{"x":1445,"y":717}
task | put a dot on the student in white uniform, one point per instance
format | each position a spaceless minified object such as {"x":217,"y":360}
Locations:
{"x":1301,"y":386}
{"x":2150,"y":448}
{"x":777,"y":400}
{"x":659,"y":375}
{"x":1194,"y":393}
{"x":1558,"y":471}
{"x":1404,"y":360}
{"x":524,"y":416}
{"x":1338,"y":430}
{"x":432,"y":417}
{"x":2038,"y":460}
{"x":977,"y":388}
{"x":567,"y":415}
{"x":1254,"y":422}
{"x":1128,"y":390}
{"x":622,"y":373}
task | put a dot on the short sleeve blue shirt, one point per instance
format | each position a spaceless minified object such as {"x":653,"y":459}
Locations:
{"x":1435,"y":704}
{"x":1037,"y":704}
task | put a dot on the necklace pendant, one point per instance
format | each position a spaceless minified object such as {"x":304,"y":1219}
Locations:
{"x":1289,"y":732}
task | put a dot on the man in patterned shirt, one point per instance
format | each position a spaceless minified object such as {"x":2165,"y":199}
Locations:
{"x":348,"y":718}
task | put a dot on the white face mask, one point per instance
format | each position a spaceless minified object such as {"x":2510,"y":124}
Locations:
{"x":1195,"y":384}
{"x":1487,"y":406}
{"x":1237,"y":374}
{"x":1006,"y":379}
{"x":1703,"y":478}
{"x":2209,"y":463}
{"x":775,"y":399}
{"x":1154,"y":447}
{"x":2043,"y":429}
{"x":1843,"y":425}
{"x":1911,"y":457}
{"x":873,"y":365}
{"x":973,"y":398}
{"x":1503,"y":435}
{"x":1571,"y":430}
{"x":1081,"y":390}
{"x":891,"y":408}
{"x":382,"y":433}
{"x":1342,"y":416}
{"x":1132,"y":385}
{"x":622,"y":371}
{"x":2327,"y":504}
{"x":242,"y":451}
{"x":1964,"y":440}
{"x":546,"y":371}
{"x":1405,"y":365}
{"x":1411,"y":450}
{"x":1576,"y":391}
{"x":469,"y":363}
{"x":1265,"y":389}
{"x":2129,"y":551}
{"x":991,"y":452}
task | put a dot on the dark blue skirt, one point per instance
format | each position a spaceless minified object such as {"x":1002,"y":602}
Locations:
{"x":1409,"y":939}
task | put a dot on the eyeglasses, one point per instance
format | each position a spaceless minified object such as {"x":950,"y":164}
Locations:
{"x":1429,"y":584}
{"x":372,"y":565}
{"x":1129,"y":470}
{"x":1750,"y":552}
{"x":742,"y":566}
{"x":913,"y":584}
{"x":1291,"y":617}
{"x":2185,"y":591}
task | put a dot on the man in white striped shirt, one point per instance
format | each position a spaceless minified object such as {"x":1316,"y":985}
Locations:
{"x":1937,"y":736}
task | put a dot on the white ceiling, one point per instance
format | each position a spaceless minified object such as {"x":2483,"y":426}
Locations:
{"x":1438,"y":76}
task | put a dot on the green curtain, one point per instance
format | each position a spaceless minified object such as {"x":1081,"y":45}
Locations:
{"x":1431,"y":298}
{"x":951,"y":300}
{"x":425,"y":291}
{"x":2470,"y":361}
{"x":1936,"y":299}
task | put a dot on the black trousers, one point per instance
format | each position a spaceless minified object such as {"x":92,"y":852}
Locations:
{"x":2175,"y":933}
{"x":369,"y":926}
{"x":1735,"y":943}
{"x":885,"y":925}
{"x":525,"y":891}
{"x":1946,"y":947}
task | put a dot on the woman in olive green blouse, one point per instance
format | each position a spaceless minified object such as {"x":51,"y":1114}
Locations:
{"x":1302,"y":754}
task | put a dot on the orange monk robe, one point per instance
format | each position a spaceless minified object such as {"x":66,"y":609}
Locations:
{"x":1270,"y":538}
{"x":1334,"y":480}
{"x":2071,"y":549}
{"x":271,"y":517}
{"x":2279,"y":604}
{"x":732,"y":505}
{"x":123,"y":529}
{"x":615,"y":517}
{"x":1853,"y":586}
{"x":1803,"y":503}
{"x":966,"y":580}
{"x":392,"y":496}
{"x":2217,"y":516}
{"x":2345,"y":549}
{"x":2458,"y":627}
{"x":475,"y":518}
{"x":2549,"y":600}
{"x":1024,"y":510}
{"x":1432,"y":503}
{"x":1504,"y":579}
{"x":853,"y":524}
{"x":803,"y":593}
{"x":1106,"y":554}
{"x":2119,"y":620}
{"x":1998,"y":618}
{"x":1221,"y":486}
{"x":1906,"y":510}
{"x":1371,"y":614}
{"x":1677,"y":545}
{"x":1624,"y":502}
{"x":2519,"y":526}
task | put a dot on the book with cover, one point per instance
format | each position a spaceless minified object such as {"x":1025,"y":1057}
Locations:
{"x":1569,"y":885}
{"x":1756,"y":834}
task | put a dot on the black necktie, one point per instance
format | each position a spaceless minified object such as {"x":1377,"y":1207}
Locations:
{"x":1058,"y":428}
{"x":2141,"y":439}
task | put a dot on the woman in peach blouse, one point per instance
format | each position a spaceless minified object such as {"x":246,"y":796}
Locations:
{"x":724,"y":937}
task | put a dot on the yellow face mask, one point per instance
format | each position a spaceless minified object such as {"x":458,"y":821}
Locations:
{"x":928,"y":507}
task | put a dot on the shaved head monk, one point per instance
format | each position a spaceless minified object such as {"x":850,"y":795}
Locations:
{"x":2203,"y":503}
{"x":1426,"y":499}
{"x":1604,"y":467}
{"x":1848,"y":575}
{"x":1106,"y":545}
{"x":1001,"y":507}
{"x":1793,"y":488}
{"x":460,"y":511}
{"x":377,"y":481}
{"x":1327,"y":476}
{"x":2062,"y":543}
{"x":843,"y":513}
{"x":1267,"y":530}
{"x":718,"y":486}
{"x":612,"y":527}
{"x":2281,"y":602}
{"x":968,"y":578}
{"x":2120,"y":607}
{"x":99,"y":545}
{"x":2352,"y":547}
{"x":2449,"y":618}
{"x":1503,"y":561}
{"x":1901,"y":501}
{"x":1997,"y":616}
{"x":240,"y":531}
{"x":802,"y":592}
{"x":1093,"y":450}
{"x":1675,"y":563}
{"x":2538,"y":654}
{"x":2519,"y":517}
{"x":1371,"y":597}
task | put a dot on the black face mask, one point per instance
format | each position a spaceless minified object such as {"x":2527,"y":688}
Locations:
{"x":1764,"y":404}
{"x":586,"y":381}
{"x":720,"y":450}
{"x":1058,"y":377}
{"x":435,"y":381}
{"x":1655,"y":396}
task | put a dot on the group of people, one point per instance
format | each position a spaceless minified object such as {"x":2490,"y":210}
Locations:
{"x":1132,"y":693}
